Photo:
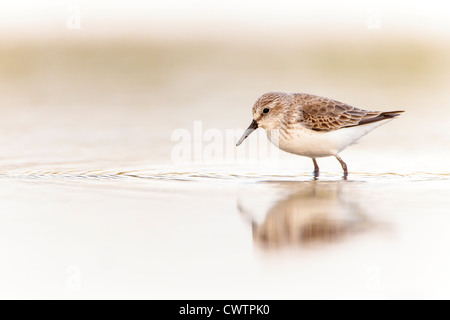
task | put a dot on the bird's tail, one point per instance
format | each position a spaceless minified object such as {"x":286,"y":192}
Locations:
{"x":382,"y":116}
{"x":391,"y":114}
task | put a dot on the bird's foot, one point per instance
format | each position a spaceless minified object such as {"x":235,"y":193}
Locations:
{"x":316,"y":174}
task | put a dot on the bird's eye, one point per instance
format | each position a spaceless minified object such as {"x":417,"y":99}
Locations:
{"x":266,"y":110}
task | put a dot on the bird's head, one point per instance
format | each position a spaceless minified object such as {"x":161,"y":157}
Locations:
{"x":267,"y":112}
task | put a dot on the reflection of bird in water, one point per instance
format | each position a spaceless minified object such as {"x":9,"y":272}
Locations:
{"x":314,"y":212}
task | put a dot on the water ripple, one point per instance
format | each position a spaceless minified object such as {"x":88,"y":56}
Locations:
{"x":218,"y":174}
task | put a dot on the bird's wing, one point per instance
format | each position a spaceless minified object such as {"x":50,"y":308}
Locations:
{"x":323,"y":114}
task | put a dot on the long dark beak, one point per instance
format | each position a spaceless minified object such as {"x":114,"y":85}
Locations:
{"x":253,"y":126}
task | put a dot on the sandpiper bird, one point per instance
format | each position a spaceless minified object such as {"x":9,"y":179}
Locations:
{"x":313,"y":126}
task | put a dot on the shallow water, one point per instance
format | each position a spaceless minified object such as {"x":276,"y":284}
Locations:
{"x":93,"y":205}
{"x":170,"y":233}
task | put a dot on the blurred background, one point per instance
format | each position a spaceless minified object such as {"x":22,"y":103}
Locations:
{"x":115,"y":79}
{"x":93,"y":204}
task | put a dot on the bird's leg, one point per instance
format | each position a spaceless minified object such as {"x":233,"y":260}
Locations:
{"x":316,"y":168}
{"x":343,"y":164}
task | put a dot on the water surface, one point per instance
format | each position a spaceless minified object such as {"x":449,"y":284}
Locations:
{"x":92,"y":204}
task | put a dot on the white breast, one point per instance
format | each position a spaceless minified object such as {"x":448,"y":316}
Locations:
{"x":316,"y":144}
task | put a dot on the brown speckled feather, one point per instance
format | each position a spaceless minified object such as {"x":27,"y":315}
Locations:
{"x":323,"y":114}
